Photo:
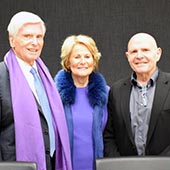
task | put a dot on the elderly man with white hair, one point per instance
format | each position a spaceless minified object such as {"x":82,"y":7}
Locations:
{"x":32,"y":127}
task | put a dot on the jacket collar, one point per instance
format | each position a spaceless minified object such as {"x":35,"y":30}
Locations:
{"x":97,"y":90}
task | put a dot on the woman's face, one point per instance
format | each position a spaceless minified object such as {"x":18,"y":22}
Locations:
{"x":81,"y":62}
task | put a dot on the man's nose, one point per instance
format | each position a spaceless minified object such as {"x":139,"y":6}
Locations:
{"x":34,"y":40}
{"x":140,"y":54}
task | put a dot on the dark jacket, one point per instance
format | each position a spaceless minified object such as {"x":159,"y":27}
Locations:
{"x":118,"y":138}
{"x":7,"y":130}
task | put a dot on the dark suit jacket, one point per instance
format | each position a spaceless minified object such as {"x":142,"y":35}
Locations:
{"x":118,"y":138}
{"x":7,"y":131}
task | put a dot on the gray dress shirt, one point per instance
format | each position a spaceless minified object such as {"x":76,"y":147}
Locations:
{"x":141,"y":101}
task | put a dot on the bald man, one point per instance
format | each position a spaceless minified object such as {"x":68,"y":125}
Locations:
{"x":139,"y":105}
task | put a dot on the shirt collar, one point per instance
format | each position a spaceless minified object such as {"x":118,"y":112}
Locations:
{"x":24,"y":66}
{"x":151,"y":82}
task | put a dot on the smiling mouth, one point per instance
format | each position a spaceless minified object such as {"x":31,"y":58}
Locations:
{"x":141,"y":63}
{"x":83,"y":68}
{"x":33,"y":50}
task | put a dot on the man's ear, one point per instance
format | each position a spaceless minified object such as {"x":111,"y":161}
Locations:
{"x":158,"y":53}
{"x":11,"y":41}
{"x":127,"y":54}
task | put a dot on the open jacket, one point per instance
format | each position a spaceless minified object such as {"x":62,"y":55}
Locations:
{"x":97,"y":95}
{"x":118,"y":138}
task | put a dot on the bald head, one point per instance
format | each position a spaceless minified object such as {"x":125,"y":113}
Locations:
{"x":142,"y":37}
{"x":143,"y":54}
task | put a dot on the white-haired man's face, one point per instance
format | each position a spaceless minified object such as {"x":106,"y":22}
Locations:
{"x":28,"y":42}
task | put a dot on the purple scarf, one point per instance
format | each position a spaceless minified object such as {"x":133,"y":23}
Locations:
{"x":28,"y":132}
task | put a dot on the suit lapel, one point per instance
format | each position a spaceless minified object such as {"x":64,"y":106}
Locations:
{"x":161,"y":92}
{"x":124,"y":98}
{"x":38,"y":105}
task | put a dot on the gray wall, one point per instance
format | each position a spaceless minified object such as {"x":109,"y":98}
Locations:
{"x":110,"y":22}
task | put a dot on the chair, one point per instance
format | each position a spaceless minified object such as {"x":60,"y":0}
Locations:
{"x":133,"y":163}
{"x":17,"y":166}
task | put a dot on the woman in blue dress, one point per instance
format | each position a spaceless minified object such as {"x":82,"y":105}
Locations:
{"x":84,"y":94}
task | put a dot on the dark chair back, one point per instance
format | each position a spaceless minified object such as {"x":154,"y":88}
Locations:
{"x":18,"y":166}
{"x":133,"y":163}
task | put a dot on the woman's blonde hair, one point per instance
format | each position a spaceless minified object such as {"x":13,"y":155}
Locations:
{"x":71,"y":41}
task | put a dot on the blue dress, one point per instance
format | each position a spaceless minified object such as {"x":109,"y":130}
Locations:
{"x":82,"y":131}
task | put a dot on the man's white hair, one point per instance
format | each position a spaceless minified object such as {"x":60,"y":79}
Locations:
{"x":21,"y":18}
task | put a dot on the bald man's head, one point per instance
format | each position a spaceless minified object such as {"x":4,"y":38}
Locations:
{"x":142,"y":37}
{"x":143,"y":54}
